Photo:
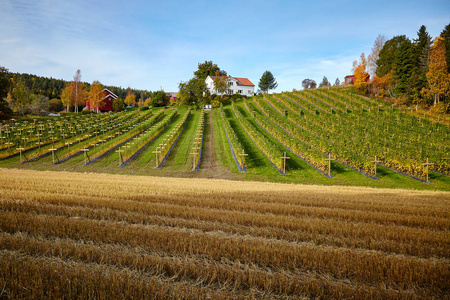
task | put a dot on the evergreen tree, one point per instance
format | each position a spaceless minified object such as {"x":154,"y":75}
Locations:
{"x":337,"y":82}
{"x":404,"y":64}
{"x":388,"y":55}
{"x":5,"y":85}
{"x":267,"y":82}
{"x":446,"y":40}
{"x":324,"y":82}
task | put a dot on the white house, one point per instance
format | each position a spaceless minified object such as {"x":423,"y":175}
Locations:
{"x":236,"y":85}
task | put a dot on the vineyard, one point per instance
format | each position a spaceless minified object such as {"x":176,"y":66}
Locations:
{"x":74,"y":235}
{"x":323,"y":136}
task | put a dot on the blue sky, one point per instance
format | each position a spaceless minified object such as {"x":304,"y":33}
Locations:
{"x":156,"y":44}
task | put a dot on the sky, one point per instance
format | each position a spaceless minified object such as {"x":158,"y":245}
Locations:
{"x":153,"y":45}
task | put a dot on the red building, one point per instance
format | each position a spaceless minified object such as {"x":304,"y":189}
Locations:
{"x":349,"y":79}
{"x":106,"y":104}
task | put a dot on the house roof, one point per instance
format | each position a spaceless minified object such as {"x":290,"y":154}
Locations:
{"x":349,"y":76}
{"x":240,"y":80}
{"x":109,"y":92}
{"x":244,"y":81}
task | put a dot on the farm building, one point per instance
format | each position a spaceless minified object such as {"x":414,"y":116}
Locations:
{"x":236,"y":85}
{"x":349,"y":79}
{"x":106,"y":104}
{"x":172,"y":96}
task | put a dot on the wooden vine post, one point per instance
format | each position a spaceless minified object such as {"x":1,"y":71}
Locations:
{"x":376,"y":161}
{"x":243,"y":155}
{"x":284,"y":162}
{"x":157,"y":151}
{"x":120,"y":156}
{"x":195,"y":153}
{"x":427,"y":165}
{"x":86,"y":156}
{"x":329,"y":159}
{"x":53,"y":154}
{"x":20,"y":151}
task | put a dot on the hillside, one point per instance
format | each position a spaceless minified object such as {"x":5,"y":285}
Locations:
{"x":322,"y":136}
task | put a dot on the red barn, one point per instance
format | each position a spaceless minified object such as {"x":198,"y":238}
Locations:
{"x":349,"y":79}
{"x":106,"y":104}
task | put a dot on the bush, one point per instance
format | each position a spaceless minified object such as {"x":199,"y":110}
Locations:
{"x":144,"y":108}
{"x":4,"y":116}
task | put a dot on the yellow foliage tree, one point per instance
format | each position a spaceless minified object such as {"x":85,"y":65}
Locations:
{"x":148,"y":101}
{"x":437,"y":75}
{"x":96,"y":94}
{"x":130,"y":99}
{"x":66,"y":96}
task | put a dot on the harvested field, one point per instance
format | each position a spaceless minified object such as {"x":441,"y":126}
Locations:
{"x":102,"y":236}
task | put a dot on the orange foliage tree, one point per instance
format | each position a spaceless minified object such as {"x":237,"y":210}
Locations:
{"x":361,"y":75}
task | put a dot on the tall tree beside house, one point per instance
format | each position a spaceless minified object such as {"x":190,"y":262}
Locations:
{"x":130,"y":100}
{"x":66,"y":96}
{"x":337,"y":82}
{"x":221,"y":85}
{"x":96,"y":94}
{"x":438,"y":76}
{"x":208,"y":68}
{"x":267,"y":82}
{"x":159,"y":98}
{"x":191,"y":92}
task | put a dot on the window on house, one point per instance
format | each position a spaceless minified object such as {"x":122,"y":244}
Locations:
{"x":240,"y":92}
{"x":230,"y":83}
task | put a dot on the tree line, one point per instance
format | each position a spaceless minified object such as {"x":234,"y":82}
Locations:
{"x":23,"y":93}
{"x":411,"y":71}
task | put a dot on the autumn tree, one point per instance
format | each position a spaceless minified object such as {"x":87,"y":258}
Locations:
{"x":66,"y":96}
{"x":438,"y":76}
{"x":130,"y":100}
{"x":361,"y":75}
{"x":96,"y":94}
{"x":308,"y":84}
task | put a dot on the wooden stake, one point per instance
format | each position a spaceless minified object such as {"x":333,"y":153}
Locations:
{"x":329,"y":159}
{"x":53,"y":155}
{"x":427,"y":164}
{"x":157,"y":151}
{"x":376,"y":161}
{"x":243,"y":158}
{"x":120,"y":156}
{"x":284,"y":162}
